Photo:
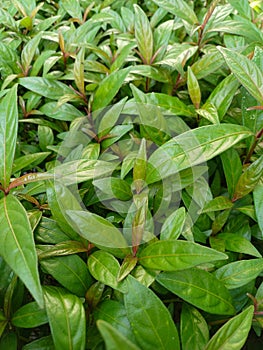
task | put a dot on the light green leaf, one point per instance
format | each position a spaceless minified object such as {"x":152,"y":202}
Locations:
{"x":32,"y":158}
{"x":199,"y":288}
{"x":258,"y":200}
{"x":18,"y":248}
{"x":108,"y":88}
{"x":193,"y":328}
{"x":174,"y":255}
{"x":113,"y":338}
{"x":105,"y":268}
{"x":66,"y":316}
{"x":239,"y":273}
{"x":73,"y":8}
{"x":218,"y":203}
{"x":173,"y":225}
{"x":8,"y":134}
{"x":249,"y":179}
{"x":44,"y":343}
{"x":150,"y":320}
{"x":209,"y":112}
{"x":193,"y":88}
{"x":242,"y":6}
{"x":246,"y":71}
{"x":239,"y":244}
{"x":207,"y":65}
{"x":29,"y":316}
{"x":143,"y":34}
{"x":52,"y":89}
{"x":29,"y":51}
{"x":79,"y":69}
{"x":193,"y":147}
{"x":233,"y":334}
{"x":64,"y":112}
{"x":179,"y":8}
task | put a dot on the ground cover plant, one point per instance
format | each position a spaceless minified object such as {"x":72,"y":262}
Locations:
{"x":131,"y":202}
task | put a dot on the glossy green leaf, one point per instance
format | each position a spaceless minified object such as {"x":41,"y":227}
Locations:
{"x":218,"y":203}
{"x":246,"y":71}
{"x":29,"y":316}
{"x":8,"y":134}
{"x":239,"y":273}
{"x":79,"y":70}
{"x":258,"y":195}
{"x":18,"y":248}
{"x":173,"y":225}
{"x":108,"y":88}
{"x":194,"y":147}
{"x":179,"y":8}
{"x":222,"y":96}
{"x":66,"y":316}
{"x":113,"y":338}
{"x":150,"y":320}
{"x":239,"y":244}
{"x":104,"y":267}
{"x":174,"y":255}
{"x":249,"y":179}
{"x":199,"y":288}
{"x":207,"y":65}
{"x":209,"y":112}
{"x":115,"y":313}
{"x":127,"y":266}
{"x":233,"y":334}
{"x":100,"y":231}
{"x":193,"y":88}
{"x":114,"y":187}
{"x":70,"y":271}
{"x":46,"y":87}
{"x":232,"y":169}
{"x":143,"y":34}
{"x":193,"y":328}
{"x":66,"y":112}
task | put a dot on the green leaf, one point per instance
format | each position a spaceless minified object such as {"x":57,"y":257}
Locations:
{"x":207,"y":65}
{"x":249,"y":179}
{"x":18,"y":248}
{"x":143,"y":34}
{"x":52,"y":89}
{"x":29,"y":316}
{"x":246,"y":71}
{"x":218,"y":203}
{"x":32,"y":158}
{"x":113,"y":338}
{"x":174,"y":255}
{"x":70,"y":271}
{"x":45,"y":137}
{"x":114,"y":187}
{"x":173,"y":225}
{"x":66,"y":316}
{"x":239,"y":273}
{"x":234,"y":333}
{"x":193,"y":147}
{"x":242,"y":7}
{"x":222,"y":96}
{"x":193,"y":328}
{"x":65,"y":112}
{"x":179,"y":8}
{"x":44,"y":343}
{"x":127,"y":266}
{"x":108,"y":88}
{"x":258,"y":195}
{"x":150,"y":320}
{"x":101,"y":232}
{"x":8,"y":341}
{"x":239,"y":244}
{"x":199,"y":288}
{"x":193,"y":88}
{"x":73,"y":8}
{"x":79,"y":69}
{"x":105,"y":268}
{"x":8,"y":134}
{"x":232,"y":169}
{"x":209,"y":112}
{"x":115,"y":313}
{"x":28,"y":52}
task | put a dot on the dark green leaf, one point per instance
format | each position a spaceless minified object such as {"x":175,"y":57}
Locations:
{"x":232,"y":169}
{"x":239,"y":244}
{"x":258,"y":195}
{"x":29,"y":316}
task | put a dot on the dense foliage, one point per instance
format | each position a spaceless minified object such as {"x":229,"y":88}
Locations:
{"x":131,"y":205}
